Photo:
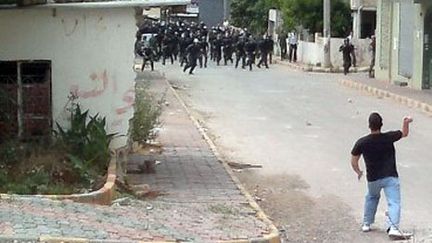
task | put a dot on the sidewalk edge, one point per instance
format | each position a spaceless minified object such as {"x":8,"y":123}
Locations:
{"x":274,"y":236}
{"x":315,"y":69}
{"x":404,"y":100}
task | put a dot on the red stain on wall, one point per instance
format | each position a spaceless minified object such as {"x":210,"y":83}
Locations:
{"x":129,"y":99}
{"x":95,"y":92}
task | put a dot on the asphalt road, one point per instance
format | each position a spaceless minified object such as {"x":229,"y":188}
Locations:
{"x":303,"y":126}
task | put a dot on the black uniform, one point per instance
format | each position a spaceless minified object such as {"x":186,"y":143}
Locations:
{"x":193,"y":51}
{"x":204,"y":45}
{"x":227,"y":49}
{"x":269,"y":43}
{"x":240,"y":53}
{"x":147,"y":54}
{"x":167,"y":49}
{"x":347,"y":51}
{"x":218,"y":43}
{"x":264,"y":53}
{"x":250,"y":47}
{"x":283,"y":45}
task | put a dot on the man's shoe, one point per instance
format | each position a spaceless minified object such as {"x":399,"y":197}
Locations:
{"x":395,"y":234}
{"x":366,"y":228}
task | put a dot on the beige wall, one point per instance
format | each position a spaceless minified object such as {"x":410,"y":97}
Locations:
{"x":91,"y":51}
{"x":313,"y":52}
{"x":355,"y":4}
{"x":388,"y":29}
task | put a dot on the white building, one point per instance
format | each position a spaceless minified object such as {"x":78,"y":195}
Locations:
{"x":364,"y":18}
{"x":50,"y":50}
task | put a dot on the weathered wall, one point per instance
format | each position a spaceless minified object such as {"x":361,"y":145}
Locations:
{"x":389,"y":41}
{"x":91,"y":51}
{"x":355,"y":4}
{"x":313,"y":52}
{"x":211,"y":11}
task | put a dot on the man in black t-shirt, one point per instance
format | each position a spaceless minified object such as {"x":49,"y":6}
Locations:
{"x":379,"y":155}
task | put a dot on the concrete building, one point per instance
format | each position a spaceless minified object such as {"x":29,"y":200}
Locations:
{"x":404,"y":35}
{"x":364,"y":18}
{"x":53,"y":50}
{"x":214,"y":12}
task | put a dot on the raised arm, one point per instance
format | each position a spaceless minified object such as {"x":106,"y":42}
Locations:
{"x":405,"y":125}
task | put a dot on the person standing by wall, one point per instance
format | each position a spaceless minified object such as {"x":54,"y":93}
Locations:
{"x":372,"y":48}
{"x":378,"y":153}
{"x":292,"y":39}
{"x":283,"y":44}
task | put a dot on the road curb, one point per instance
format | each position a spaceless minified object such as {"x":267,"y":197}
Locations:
{"x":404,"y":100}
{"x":273,"y":236}
{"x":315,"y":69}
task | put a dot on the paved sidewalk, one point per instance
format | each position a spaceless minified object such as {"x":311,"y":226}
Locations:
{"x":309,"y":68}
{"x":419,"y":99}
{"x":201,"y":202}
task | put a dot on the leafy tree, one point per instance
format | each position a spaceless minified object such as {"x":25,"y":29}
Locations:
{"x":252,"y":14}
{"x":309,"y":14}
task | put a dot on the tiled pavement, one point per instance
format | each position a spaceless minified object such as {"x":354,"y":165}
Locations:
{"x":200,"y":201}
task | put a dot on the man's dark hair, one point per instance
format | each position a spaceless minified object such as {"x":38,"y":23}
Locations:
{"x":375,"y":121}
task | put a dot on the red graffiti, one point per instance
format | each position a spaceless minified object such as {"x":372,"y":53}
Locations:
{"x":129,"y":99}
{"x":95,"y":92}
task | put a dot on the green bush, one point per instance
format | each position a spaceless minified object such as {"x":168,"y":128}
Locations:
{"x":86,"y":141}
{"x":146,"y":117}
{"x":10,"y":153}
{"x":69,"y":163}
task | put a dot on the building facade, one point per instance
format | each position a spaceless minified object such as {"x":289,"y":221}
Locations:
{"x":404,"y":35}
{"x":214,"y":12}
{"x":364,"y":18}
{"x":50,"y":52}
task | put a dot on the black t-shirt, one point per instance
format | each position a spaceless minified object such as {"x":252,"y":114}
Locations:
{"x":379,"y":154}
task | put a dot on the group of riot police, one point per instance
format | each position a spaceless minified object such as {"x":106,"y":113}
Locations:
{"x":192,"y":44}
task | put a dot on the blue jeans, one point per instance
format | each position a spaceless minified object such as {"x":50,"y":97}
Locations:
{"x":392,"y":192}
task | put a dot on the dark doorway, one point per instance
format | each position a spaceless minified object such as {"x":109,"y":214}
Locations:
{"x":368,"y":24}
{"x":427,"y":51}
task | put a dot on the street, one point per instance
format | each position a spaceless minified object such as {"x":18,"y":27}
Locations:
{"x":301,"y":127}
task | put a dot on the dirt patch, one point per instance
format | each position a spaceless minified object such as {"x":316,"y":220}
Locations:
{"x":300,"y":217}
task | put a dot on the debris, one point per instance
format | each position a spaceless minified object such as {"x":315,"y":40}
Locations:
{"x":149,"y":207}
{"x":241,"y":166}
{"x":150,"y":147}
{"x":258,"y":199}
{"x":167,"y":103}
{"x":124,"y":201}
{"x":123,"y":186}
{"x":350,"y":100}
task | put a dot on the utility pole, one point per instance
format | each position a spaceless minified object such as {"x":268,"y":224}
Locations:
{"x":327,"y":34}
